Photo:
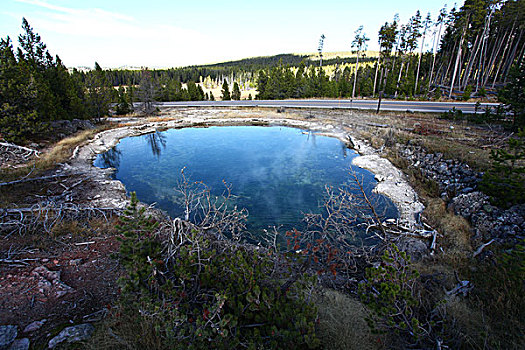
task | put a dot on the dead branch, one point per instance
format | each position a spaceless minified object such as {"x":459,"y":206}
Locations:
{"x":56,"y":176}
{"x":45,"y":216}
{"x":481,"y":247}
{"x":209,"y":212}
{"x":377,"y":219}
{"x":26,"y":151}
{"x":17,"y":261}
{"x":85,"y":243}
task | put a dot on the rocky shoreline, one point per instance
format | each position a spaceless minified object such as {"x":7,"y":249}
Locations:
{"x":391,"y":181}
{"x":458,"y":184}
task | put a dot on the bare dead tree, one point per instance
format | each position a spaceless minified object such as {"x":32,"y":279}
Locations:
{"x":209,"y":212}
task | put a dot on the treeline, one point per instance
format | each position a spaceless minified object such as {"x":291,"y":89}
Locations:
{"x":36,"y":88}
{"x":472,"y":51}
{"x":241,"y":70}
{"x":288,"y":82}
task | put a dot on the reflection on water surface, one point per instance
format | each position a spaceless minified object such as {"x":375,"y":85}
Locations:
{"x":277,"y":173}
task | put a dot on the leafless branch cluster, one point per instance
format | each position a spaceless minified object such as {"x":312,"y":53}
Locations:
{"x":333,"y":241}
{"x":211,"y":213}
{"x":10,"y":152}
{"x":45,"y":216}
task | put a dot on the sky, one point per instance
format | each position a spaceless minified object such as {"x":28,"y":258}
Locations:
{"x":173,"y":33}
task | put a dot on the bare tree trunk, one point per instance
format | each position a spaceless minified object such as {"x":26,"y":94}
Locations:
{"x":458,"y":57}
{"x":509,"y":41}
{"x":449,"y":65}
{"x":355,"y":75}
{"x":498,"y":44}
{"x":381,"y":82}
{"x":399,"y":77}
{"x":434,"y":54}
{"x":377,"y":68}
{"x":471,"y":60}
{"x":510,"y":61}
{"x":479,"y":71}
{"x":419,"y":61}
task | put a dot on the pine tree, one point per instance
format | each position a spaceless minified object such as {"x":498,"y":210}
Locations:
{"x":147,"y":92}
{"x":513,"y":94}
{"x":225,"y":91}
{"x":236,"y":92}
{"x":99,"y":92}
{"x":359,"y":44}
{"x":123,"y":105}
{"x":18,"y":115}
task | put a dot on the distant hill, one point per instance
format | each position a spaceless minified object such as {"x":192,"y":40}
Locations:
{"x":255,"y":63}
{"x":245,"y":68}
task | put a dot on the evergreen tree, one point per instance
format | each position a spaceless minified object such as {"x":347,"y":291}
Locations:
{"x":225,"y":91}
{"x":513,"y":94}
{"x":193,"y":91}
{"x":122,"y":105}
{"x":359,"y":44}
{"x":147,"y":92}
{"x":99,"y":92}
{"x":18,"y":115}
{"x":236,"y":92}
{"x":262,"y":81}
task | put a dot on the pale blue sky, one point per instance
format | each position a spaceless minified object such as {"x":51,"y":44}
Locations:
{"x":163,"y":33}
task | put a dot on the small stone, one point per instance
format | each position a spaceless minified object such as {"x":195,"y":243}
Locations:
{"x":7,"y":336}
{"x":33,"y":326}
{"x":72,"y":334}
{"x":75,"y":262}
{"x":20,"y":344}
{"x":467,"y":190}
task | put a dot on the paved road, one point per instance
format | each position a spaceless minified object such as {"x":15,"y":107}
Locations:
{"x":386,"y":105}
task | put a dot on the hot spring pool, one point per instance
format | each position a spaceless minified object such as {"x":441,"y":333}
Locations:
{"x":276,"y":173}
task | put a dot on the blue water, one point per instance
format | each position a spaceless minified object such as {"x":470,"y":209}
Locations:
{"x":277,"y":173}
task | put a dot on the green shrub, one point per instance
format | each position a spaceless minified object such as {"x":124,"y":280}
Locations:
{"x":437,"y":93}
{"x":467,"y":93}
{"x":202,"y":293}
{"x":505,"y":181}
{"x":482,"y":92}
{"x":453,"y":114}
{"x":391,"y":290}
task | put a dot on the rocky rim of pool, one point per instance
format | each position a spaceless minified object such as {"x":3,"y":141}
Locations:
{"x":112,"y":193}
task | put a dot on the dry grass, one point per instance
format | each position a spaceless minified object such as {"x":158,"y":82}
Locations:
{"x":123,"y":330}
{"x":455,"y":230}
{"x":63,"y":149}
{"x":342,"y":323}
{"x":471,"y":328}
{"x":56,"y":154}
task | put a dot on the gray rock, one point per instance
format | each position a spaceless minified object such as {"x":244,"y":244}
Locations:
{"x":20,"y":344}
{"x":7,"y":336}
{"x":468,"y":204}
{"x":415,"y":248}
{"x":467,"y":190}
{"x":72,"y":334}
{"x":33,"y":326}
{"x":64,"y":126}
{"x":82,"y":124}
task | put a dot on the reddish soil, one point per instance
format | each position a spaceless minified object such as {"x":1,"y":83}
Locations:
{"x":85,"y":283}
